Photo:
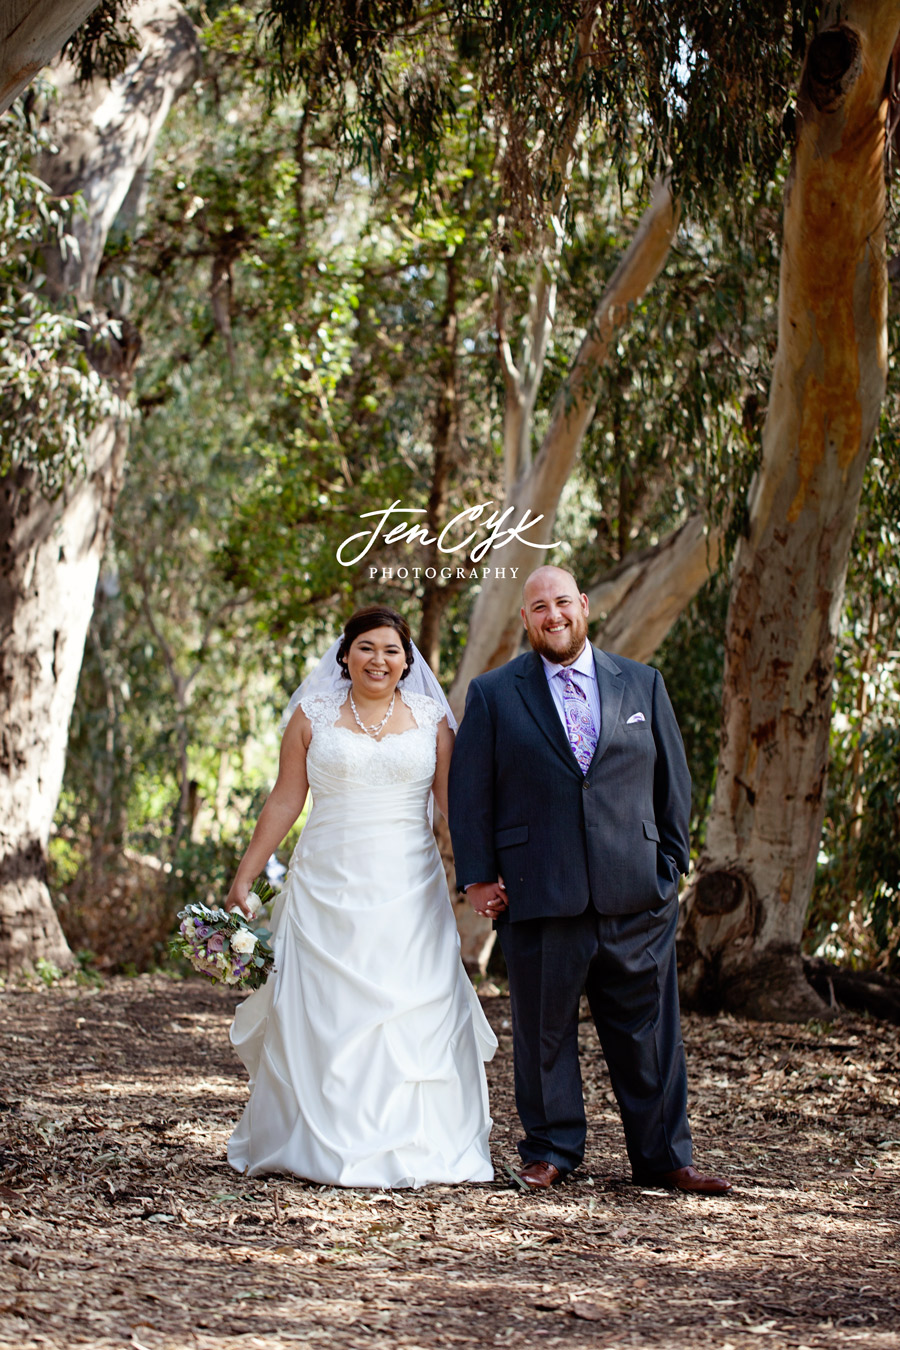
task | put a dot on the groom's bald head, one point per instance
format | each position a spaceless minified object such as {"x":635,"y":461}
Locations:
{"x":554,"y":613}
{"x":548,"y":574}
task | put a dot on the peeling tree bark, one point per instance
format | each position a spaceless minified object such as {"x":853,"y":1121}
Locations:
{"x":745,"y":908}
{"x":50,"y":551}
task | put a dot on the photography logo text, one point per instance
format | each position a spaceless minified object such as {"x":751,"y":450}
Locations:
{"x":493,"y":531}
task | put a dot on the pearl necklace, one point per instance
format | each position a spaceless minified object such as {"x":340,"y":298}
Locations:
{"x":376,"y":728}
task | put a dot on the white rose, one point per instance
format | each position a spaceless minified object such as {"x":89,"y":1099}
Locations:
{"x":243,"y":942}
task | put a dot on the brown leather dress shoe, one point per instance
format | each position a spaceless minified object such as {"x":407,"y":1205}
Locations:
{"x":541,"y":1175}
{"x":689,"y":1179}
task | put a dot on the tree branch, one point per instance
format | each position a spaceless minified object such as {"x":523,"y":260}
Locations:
{"x":649,"y":589}
{"x":31,"y":34}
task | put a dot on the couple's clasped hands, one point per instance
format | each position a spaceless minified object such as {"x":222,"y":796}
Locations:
{"x":488,"y":898}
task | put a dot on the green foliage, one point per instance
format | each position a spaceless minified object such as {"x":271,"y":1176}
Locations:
{"x":103,"y":45}
{"x":703,"y":91}
{"x":328,"y":217}
{"x":680,"y":409}
{"x":878,"y":865}
{"x":86,"y":973}
{"x":691,"y":660}
{"x":296,"y":320}
{"x":48,"y":973}
{"x":50,"y":397}
{"x":855,"y":911}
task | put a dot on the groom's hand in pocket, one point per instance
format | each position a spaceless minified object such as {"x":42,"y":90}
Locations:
{"x":488,"y":898}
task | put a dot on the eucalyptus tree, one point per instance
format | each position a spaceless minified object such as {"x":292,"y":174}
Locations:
{"x":657,"y":82}
{"x":294,"y":338}
{"x":332,"y":340}
{"x":56,"y":508}
{"x":746,"y":907}
{"x":550,"y":88}
{"x":49,"y":401}
{"x":692,"y":96}
{"x":31,"y":35}
{"x":547,"y":93}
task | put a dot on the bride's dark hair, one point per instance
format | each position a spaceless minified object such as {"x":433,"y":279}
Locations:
{"x":374,"y":616}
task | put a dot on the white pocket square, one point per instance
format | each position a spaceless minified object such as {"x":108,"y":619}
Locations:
{"x":635,"y":717}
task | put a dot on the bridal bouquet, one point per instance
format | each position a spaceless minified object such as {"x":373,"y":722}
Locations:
{"x":224,"y":946}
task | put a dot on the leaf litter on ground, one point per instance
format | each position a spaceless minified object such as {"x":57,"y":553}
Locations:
{"x":121,"y":1223}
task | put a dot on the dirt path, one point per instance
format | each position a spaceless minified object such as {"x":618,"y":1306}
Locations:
{"x":122,"y":1225}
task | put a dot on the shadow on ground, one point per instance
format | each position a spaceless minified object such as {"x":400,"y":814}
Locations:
{"x":121,"y":1225}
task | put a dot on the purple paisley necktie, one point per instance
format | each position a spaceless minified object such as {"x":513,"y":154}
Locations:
{"x":579,"y":722}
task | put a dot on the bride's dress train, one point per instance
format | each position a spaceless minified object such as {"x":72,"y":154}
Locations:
{"x":365,"y":1048}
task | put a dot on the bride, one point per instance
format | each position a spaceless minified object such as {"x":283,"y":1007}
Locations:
{"x":365,"y":1047}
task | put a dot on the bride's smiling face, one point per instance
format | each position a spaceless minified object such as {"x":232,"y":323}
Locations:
{"x":376,"y":661}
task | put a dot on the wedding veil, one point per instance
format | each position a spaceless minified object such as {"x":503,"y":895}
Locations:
{"x":327,"y":677}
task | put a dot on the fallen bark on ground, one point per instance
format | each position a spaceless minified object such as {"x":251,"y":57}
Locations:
{"x":121,"y":1224}
{"x":861,"y":991}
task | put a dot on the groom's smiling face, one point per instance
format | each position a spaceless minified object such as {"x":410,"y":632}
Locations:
{"x":554,"y":613}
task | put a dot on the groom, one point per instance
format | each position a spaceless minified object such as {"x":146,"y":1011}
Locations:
{"x":570,"y":799}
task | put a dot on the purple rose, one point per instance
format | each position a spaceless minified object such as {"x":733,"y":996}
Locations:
{"x":202,"y":930}
{"x":216,"y":943}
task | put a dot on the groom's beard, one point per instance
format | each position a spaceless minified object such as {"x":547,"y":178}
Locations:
{"x":561,"y":655}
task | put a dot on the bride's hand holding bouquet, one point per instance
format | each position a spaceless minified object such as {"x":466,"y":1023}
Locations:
{"x":242,"y":897}
{"x":221,"y":944}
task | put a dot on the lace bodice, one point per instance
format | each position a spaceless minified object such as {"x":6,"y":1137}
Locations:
{"x":338,"y":755}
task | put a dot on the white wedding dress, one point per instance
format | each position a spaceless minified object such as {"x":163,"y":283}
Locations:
{"x":365,"y":1047}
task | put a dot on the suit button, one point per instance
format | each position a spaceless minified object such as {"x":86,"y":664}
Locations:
{"x":585,"y":785}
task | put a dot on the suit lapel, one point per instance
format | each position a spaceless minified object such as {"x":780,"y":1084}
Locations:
{"x":611,"y":688}
{"x":538,"y":700}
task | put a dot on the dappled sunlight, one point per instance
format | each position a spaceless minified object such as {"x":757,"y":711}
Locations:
{"x":118,"y":1207}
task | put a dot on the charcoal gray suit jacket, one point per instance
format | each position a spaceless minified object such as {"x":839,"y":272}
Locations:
{"x":521,"y":808}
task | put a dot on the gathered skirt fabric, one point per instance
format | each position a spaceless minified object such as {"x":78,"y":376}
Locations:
{"x":366,"y":1046}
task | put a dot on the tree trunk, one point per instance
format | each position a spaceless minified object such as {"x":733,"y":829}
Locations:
{"x":745,"y":908}
{"x":31,"y":35}
{"x":651,"y":588}
{"x":535,"y":484}
{"x":107,"y":133}
{"x":51,"y":555}
{"x":436,"y":594}
{"x":50,"y":551}
{"x":494,"y":629}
